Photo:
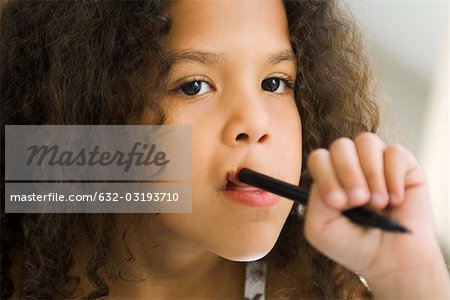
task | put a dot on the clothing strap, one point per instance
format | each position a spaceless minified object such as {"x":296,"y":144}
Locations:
{"x":255,"y":280}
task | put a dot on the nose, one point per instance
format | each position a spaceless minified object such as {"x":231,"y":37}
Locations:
{"x":247,"y":118}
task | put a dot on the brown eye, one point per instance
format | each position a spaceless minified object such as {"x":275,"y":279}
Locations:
{"x":194,"y":88}
{"x":274,"y":84}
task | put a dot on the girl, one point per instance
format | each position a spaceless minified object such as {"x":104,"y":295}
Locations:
{"x":263,"y":84}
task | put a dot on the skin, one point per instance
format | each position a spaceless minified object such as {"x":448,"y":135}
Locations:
{"x":235,"y":121}
{"x":368,"y":172}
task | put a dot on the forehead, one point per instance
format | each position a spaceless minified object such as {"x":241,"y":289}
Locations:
{"x":215,"y":23}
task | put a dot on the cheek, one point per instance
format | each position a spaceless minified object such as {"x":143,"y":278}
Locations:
{"x":202,"y":152}
{"x":285,"y":119}
{"x":289,"y":144}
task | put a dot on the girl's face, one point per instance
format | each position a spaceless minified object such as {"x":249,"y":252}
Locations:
{"x":232,"y":70}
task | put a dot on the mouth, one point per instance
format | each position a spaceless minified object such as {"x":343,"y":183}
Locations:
{"x":233,"y":184}
{"x":247,"y":195}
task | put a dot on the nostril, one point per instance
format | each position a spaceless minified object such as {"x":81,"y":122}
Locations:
{"x":263,"y":138}
{"x":241,"y":136}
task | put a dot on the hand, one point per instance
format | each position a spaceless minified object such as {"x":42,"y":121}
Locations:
{"x":389,"y":180}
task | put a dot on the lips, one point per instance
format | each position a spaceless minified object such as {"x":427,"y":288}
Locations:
{"x":245,"y":194}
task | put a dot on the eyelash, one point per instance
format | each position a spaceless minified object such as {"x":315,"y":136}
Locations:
{"x":191,"y":80}
{"x":290,"y":84}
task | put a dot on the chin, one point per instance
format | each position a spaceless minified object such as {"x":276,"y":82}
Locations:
{"x":249,"y":247}
{"x":247,"y":256}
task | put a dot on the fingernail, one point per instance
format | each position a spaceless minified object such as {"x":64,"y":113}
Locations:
{"x":376,"y":198}
{"x":358,"y":194}
{"x":393,"y":198}
{"x":336,"y":197}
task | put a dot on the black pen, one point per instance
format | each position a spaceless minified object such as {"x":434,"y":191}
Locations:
{"x":358,"y":215}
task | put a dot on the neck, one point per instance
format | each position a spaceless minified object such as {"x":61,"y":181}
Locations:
{"x":165,"y":265}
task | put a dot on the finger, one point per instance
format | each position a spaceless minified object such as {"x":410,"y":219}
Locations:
{"x":319,"y":215}
{"x":398,"y":162}
{"x":348,"y":169}
{"x":370,"y":151}
{"x":327,"y":230}
{"x":322,"y":172}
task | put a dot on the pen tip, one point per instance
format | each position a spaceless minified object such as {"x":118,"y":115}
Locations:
{"x":238,"y":171}
{"x":402,"y":229}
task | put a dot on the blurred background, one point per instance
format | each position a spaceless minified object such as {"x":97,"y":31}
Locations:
{"x":407,"y":42}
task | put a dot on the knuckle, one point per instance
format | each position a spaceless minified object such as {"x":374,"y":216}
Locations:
{"x":399,"y":151}
{"x":340,"y":142}
{"x":316,"y":155}
{"x":396,"y":149}
{"x":367,"y":137}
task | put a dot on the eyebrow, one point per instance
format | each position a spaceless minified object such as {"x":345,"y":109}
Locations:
{"x":210,"y":58}
{"x":285,"y":55}
{"x":207,"y":58}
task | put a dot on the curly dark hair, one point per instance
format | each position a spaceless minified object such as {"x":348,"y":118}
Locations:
{"x":103,"y":62}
